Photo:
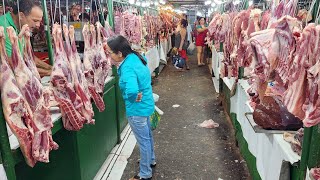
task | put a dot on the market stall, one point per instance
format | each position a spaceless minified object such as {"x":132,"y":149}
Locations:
{"x":249,"y":83}
{"x":80,"y":147}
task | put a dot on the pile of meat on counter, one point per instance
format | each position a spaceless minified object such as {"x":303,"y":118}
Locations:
{"x":26,"y":102}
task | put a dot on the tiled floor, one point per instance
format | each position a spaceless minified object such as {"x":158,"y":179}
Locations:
{"x":113,"y":167}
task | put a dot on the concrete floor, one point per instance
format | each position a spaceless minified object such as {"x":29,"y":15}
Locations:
{"x":185,"y":151}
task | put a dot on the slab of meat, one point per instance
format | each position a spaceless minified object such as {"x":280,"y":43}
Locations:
{"x":88,"y":58}
{"x":62,"y":87}
{"x":272,"y":114}
{"x":77,"y":76}
{"x":38,"y":99}
{"x":16,"y":109}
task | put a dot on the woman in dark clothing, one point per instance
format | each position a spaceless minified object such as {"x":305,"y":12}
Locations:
{"x":181,"y":40}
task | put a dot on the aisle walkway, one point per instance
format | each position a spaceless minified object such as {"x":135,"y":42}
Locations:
{"x":185,"y":151}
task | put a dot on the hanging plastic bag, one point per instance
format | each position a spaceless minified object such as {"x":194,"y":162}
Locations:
{"x":191,"y":48}
{"x":155,"y":118}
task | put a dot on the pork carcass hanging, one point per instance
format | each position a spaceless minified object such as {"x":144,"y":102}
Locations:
{"x":16,"y":109}
{"x":88,"y":58}
{"x":38,"y":99}
{"x":62,"y":87}
{"x":86,"y":110}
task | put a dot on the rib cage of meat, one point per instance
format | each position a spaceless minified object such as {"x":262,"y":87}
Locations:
{"x":86,"y":110}
{"x":63,"y":87}
{"x":16,"y":110}
{"x":88,"y":58}
{"x":38,"y":99}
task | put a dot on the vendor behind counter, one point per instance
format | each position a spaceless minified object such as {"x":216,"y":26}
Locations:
{"x":30,"y":12}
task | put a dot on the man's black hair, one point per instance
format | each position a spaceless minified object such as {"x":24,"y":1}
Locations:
{"x":25,"y":6}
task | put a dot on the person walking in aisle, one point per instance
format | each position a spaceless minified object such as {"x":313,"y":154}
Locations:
{"x":135,"y":85}
{"x":189,"y":29}
{"x":181,"y":40}
{"x":200,"y":43}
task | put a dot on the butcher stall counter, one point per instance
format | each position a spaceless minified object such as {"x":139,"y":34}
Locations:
{"x":81,"y":153}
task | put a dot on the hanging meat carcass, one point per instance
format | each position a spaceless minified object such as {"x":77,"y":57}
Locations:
{"x":16,"y":110}
{"x":62,"y":87}
{"x":102,"y":64}
{"x":88,"y":58}
{"x":86,"y":110}
{"x":38,"y":99}
{"x":28,"y":55}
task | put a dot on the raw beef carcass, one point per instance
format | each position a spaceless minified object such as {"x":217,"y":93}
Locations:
{"x":86,"y":110}
{"x":265,"y":20}
{"x":295,"y":95}
{"x":262,"y":46}
{"x":88,"y":58}
{"x":16,"y":110}
{"x":28,"y":55}
{"x":62,"y":87}
{"x":38,"y":99}
{"x":101,"y":64}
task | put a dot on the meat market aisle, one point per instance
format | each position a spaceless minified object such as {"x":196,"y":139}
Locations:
{"x":184,"y":150}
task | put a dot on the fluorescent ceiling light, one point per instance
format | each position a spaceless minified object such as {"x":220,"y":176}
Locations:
{"x":213,"y":5}
{"x":207,"y":2}
{"x":138,"y":3}
{"x":131,"y":1}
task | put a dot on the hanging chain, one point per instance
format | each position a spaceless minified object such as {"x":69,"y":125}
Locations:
{"x":97,"y":10}
{"x":52,"y":20}
{"x":19,"y":14}
{"x":60,"y":12}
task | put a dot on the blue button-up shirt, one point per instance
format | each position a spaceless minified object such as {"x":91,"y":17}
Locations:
{"x":135,"y":78}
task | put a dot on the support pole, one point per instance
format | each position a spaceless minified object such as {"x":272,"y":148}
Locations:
{"x":110,"y":13}
{"x":6,"y":153}
{"x":47,"y":30}
{"x":118,"y":97}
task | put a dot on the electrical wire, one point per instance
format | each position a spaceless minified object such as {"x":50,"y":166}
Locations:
{"x":97,"y":9}
{"x":60,"y":12}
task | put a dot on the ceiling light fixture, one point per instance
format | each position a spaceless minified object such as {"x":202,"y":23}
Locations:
{"x":218,"y":2}
{"x":131,"y":1}
{"x":207,"y":2}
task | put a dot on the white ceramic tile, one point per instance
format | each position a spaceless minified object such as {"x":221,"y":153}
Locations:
{"x":104,"y":167}
{"x":118,"y":168}
{"x":128,"y":147}
{"x":110,"y":167}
